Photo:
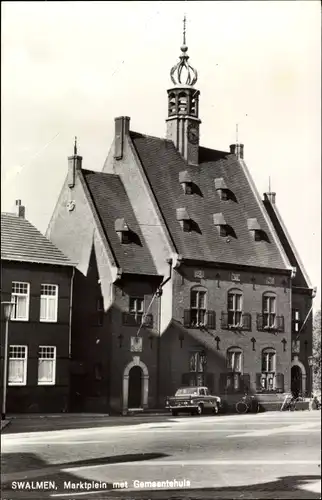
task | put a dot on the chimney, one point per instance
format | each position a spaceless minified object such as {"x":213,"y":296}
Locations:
{"x":122,"y":128}
{"x":271,"y":197}
{"x":238,"y":150}
{"x":19,"y":209}
{"x":74,"y":164}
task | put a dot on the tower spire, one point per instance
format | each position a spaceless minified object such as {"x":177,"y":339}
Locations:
{"x":184,"y":29}
{"x":269,"y":184}
{"x":75,"y":146}
{"x":183,"y":73}
{"x":236,"y":133}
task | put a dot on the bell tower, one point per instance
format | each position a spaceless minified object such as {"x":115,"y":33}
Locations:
{"x":183,"y":107}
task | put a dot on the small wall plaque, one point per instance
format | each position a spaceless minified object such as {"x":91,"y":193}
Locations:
{"x":199,"y":274}
{"x":235,"y":277}
{"x":136,"y":344}
{"x":270,"y":280}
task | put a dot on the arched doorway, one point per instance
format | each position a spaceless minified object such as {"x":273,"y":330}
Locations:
{"x":298,"y":376}
{"x":296,"y":380}
{"x":138,"y":379}
{"x":135,"y":387}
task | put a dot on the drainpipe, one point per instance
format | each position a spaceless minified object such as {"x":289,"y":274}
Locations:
{"x":70,"y":326}
{"x":159,"y":294}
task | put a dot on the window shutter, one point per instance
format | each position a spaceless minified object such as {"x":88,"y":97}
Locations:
{"x":210,"y":379}
{"x":279,"y":382}
{"x":224,"y":320}
{"x":260,"y":322}
{"x":211,"y":320}
{"x":222,"y":382}
{"x":280,"y":323}
{"x":245,"y":382}
{"x":258,"y":381}
{"x":186,"y":318}
{"x":247,"y":322}
{"x":185,"y":379}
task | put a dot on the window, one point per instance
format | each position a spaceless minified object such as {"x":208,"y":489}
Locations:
{"x":46,"y":365}
{"x":269,"y":311}
{"x":234,"y":367}
{"x":48,"y":303}
{"x":223,"y":193}
{"x":234,"y":308}
{"x":198,"y":307}
{"x":234,"y":360}
{"x":20,"y":297}
{"x":268,"y":369}
{"x":125,"y":237}
{"x":137,"y":308}
{"x":197,"y":368}
{"x":17,"y":369}
{"x":296,"y":320}
{"x":197,"y":362}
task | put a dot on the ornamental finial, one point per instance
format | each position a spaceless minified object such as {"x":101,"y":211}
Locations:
{"x":75,"y":146}
{"x":182,"y":73}
{"x":184,"y":30}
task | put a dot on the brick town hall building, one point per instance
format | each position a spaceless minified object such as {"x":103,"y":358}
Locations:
{"x":184,"y":274}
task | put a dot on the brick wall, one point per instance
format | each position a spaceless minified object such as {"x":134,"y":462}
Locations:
{"x":33,"y":333}
{"x":175,"y":358}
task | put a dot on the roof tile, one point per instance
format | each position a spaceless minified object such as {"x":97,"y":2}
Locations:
{"x":163,"y":163}
{"x":21,"y":241}
{"x":114,"y":208}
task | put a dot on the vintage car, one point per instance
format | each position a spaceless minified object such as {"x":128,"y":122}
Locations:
{"x":194,"y":400}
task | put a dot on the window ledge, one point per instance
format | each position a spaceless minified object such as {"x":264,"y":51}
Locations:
{"x":16,"y":384}
{"x":48,"y":321}
{"x":20,"y":319}
{"x":46,"y":383}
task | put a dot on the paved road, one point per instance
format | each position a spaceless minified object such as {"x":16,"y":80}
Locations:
{"x":269,"y":455}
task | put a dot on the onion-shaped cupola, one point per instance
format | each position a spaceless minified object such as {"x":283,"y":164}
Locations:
{"x":183,"y":106}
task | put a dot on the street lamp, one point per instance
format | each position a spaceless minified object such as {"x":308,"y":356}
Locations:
{"x":7,"y":310}
{"x":310,"y":361}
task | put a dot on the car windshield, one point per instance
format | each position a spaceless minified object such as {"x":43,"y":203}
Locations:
{"x":188,"y":390}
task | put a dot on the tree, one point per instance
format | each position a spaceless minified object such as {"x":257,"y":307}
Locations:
{"x":317,"y":352}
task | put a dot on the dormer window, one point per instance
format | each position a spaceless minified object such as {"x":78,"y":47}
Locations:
{"x":185,"y":181}
{"x":123,"y":231}
{"x":221,"y":188}
{"x":255,"y":229}
{"x":221,"y":224}
{"x":184,"y":219}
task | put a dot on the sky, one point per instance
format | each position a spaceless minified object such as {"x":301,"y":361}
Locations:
{"x":69,"y":68}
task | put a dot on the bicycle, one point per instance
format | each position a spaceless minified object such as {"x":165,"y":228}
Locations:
{"x":291,"y":404}
{"x":247,"y":404}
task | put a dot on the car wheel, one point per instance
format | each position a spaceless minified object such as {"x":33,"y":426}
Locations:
{"x":174,"y":413}
{"x":215,"y":409}
{"x":199,"y":410}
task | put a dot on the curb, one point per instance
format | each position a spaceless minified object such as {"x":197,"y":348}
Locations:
{"x":4,"y":424}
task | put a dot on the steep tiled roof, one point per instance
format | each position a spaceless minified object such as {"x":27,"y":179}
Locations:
{"x":111,"y":202}
{"x":162,"y":164}
{"x":301,"y":278}
{"x":21,"y":241}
